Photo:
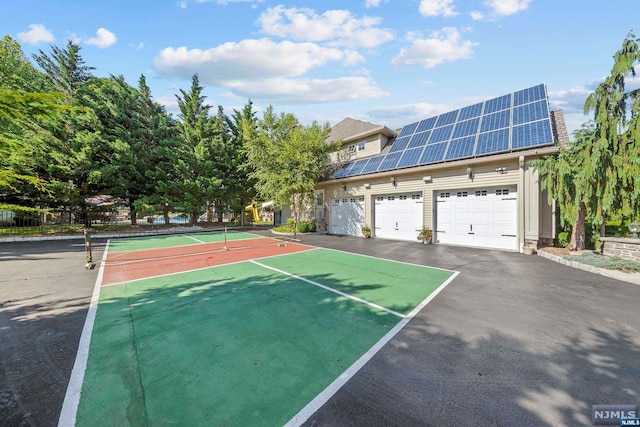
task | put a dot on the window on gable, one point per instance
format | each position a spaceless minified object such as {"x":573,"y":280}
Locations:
{"x":351,"y":149}
{"x":361,"y":146}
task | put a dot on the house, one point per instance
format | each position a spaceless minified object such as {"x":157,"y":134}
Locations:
{"x":464,"y":173}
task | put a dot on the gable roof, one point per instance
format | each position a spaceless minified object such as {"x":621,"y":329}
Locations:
{"x":352,"y":129}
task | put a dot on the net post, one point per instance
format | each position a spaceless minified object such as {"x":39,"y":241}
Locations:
{"x":225,"y":238}
{"x":88,"y":250}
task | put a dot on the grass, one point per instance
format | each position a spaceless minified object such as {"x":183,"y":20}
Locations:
{"x":609,"y":263}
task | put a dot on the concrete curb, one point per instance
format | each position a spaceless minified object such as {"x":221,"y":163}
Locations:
{"x":614,"y":274}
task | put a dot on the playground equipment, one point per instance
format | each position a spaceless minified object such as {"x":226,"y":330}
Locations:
{"x":254,"y":211}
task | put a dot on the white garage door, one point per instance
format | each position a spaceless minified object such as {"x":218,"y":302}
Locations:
{"x":347,"y":216}
{"x":398,"y":216}
{"x":478,"y":217}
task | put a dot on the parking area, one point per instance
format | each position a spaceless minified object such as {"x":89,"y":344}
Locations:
{"x":514,"y":340}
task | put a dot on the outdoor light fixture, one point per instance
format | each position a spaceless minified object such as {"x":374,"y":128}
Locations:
{"x":634,"y":228}
{"x":367,"y":185}
{"x":427,"y":178}
{"x":393,"y":181}
{"x":344,"y":187}
{"x":501,"y":171}
{"x":469,"y":172}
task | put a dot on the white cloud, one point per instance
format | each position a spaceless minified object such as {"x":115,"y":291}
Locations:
{"x":371,"y":3}
{"x":507,"y":7}
{"x":249,"y":59}
{"x":437,"y":8}
{"x":445,"y":45}
{"x":104,"y":38}
{"x":296,"y":91}
{"x":335,"y":27}
{"x":571,"y":100}
{"x":37,"y":33}
{"x":477,"y":16}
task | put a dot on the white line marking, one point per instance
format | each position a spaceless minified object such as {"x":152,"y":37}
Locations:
{"x":192,"y":238}
{"x":335,"y":291}
{"x":201,"y":268}
{"x":72,"y":396}
{"x":333,"y":388}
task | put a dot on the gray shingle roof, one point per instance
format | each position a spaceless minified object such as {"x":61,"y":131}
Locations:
{"x":351,"y":127}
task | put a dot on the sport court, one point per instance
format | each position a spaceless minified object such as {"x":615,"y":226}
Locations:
{"x":234,"y":329}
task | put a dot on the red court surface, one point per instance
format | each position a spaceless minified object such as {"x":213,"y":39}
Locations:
{"x":179,"y":259}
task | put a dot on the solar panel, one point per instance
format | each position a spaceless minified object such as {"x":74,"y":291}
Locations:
{"x":410,"y":158}
{"x":510,"y":122}
{"x":419,"y":139}
{"x":493,"y":142}
{"x":342,"y":172}
{"x":495,"y":121}
{"x":497,"y":104}
{"x":408,"y":129}
{"x":389,"y":162}
{"x":469,"y":127}
{"x":373,"y":165}
{"x":426,"y":124}
{"x":470,"y":112}
{"x":461,"y":148}
{"x":532,"y":134}
{"x":400,"y":143}
{"x":530,"y":112}
{"x":531,"y":94}
{"x":441,"y":134}
{"x":447,"y":118}
{"x":433,"y":153}
{"x":357,"y":167}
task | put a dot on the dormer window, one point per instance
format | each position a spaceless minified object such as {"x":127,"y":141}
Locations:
{"x":351,"y":149}
{"x":361,"y":145}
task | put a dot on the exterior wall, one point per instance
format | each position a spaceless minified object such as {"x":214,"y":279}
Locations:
{"x":373,"y":146}
{"x":448,"y":179}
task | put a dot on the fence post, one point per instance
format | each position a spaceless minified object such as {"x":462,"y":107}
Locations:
{"x":87,"y":246}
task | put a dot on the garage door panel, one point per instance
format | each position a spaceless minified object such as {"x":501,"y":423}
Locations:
{"x":481,"y":217}
{"x":347,"y":216}
{"x":398,"y":216}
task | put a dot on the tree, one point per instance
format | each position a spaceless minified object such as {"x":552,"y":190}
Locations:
{"x":598,"y":173}
{"x":16,"y":72}
{"x":611,"y":176}
{"x":198,"y":179}
{"x":65,"y":68}
{"x":287,"y":158}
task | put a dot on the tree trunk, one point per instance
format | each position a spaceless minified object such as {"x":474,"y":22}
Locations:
{"x":165,"y":214}
{"x":134,"y":214}
{"x":194,"y":218}
{"x":577,"y":242}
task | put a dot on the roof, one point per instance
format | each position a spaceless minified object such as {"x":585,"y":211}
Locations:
{"x":351,"y":129}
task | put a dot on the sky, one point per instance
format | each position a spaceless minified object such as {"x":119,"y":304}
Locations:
{"x":390,"y":62}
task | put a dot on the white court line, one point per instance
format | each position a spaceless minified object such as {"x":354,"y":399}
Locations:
{"x":333,"y":388}
{"x":72,"y":396}
{"x":192,"y":238}
{"x":335,"y":291}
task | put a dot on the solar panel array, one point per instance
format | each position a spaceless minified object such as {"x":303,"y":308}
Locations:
{"x":516,"y":121}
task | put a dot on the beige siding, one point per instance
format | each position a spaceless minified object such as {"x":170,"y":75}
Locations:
{"x":455,"y":178}
{"x":373,"y":146}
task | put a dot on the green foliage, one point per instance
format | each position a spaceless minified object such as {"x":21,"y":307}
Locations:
{"x":600,"y":261}
{"x":562,"y":240}
{"x":303,"y":227}
{"x":286,"y":158}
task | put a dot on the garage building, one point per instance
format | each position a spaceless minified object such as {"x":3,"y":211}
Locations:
{"x":463,"y":173}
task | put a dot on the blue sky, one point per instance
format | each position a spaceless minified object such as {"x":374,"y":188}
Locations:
{"x":391,"y":62}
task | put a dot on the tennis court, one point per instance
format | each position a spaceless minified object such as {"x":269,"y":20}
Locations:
{"x":207,"y":329}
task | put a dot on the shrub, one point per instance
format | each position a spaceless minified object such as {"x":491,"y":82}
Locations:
{"x":306,"y":227}
{"x":563,"y":239}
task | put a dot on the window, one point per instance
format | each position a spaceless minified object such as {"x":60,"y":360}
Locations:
{"x":319,"y":198}
{"x":361,"y":199}
{"x":481,"y":193}
{"x":461,"y":194}
{"x":352,"y":200}
{"x":416,"y":196}
{"x":504,"y":192}
{"x":351,"y":149}
{"x":443,"y":195}
{"x":361,"y":146}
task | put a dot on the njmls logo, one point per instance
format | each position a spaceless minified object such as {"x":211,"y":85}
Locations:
{"x":612,"y":414}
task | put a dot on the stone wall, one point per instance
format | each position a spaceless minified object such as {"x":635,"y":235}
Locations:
{"x":621,"y":248}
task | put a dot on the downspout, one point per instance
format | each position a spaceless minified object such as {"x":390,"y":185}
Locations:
{"x":521,"y":205}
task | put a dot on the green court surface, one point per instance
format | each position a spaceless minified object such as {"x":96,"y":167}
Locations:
{"x":172,"y":240}
{"x":240,"y":344}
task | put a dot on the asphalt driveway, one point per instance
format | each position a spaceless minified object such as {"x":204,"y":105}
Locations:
{"x":513,"y":340}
